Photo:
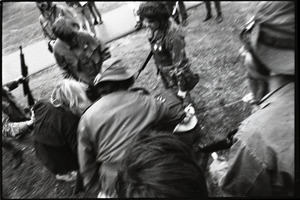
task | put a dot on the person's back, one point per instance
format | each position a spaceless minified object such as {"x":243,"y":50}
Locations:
{"x":261,"y":159}
{"x":160,"y":166}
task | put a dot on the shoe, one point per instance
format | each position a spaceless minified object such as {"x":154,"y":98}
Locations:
{"x":17,"y":159}
{"x":219,"y":18}
{"x":207,"y":18}
{"x":95,"y":22}
{"x":71,"y":176}
{"x":101,"y":22}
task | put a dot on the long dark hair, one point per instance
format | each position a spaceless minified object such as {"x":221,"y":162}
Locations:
{"x":160,"y":166}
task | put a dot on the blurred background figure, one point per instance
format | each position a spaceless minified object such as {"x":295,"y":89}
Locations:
{"x":160,"y":166}
{"x":83,"y":13}
{"x":178,"y":11}
{"x":95,"y":12}
{"x":219,"y":17}
{"x":49,"y":13}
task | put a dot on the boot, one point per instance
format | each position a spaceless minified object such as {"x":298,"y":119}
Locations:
{"x":17,"y":159}
{"x":208,"y":16}
{"x":219,"y":18}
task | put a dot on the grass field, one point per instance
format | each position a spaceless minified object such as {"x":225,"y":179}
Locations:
{"x":213,"y":52}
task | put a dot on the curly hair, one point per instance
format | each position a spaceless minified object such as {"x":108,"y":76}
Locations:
{"x":154,"y":11}
{"x":160,"y":166}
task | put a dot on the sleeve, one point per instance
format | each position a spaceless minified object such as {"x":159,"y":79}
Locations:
{"x":12,"y":85}
{"x":64,"y":65}
{"x":246,"y":175}
{"x":45,"y":33}
{"x":86,"y":154}
{"x":71,"y":125}
{"x":170,"y":111}
{"x":12,"y":129}
{"x":176,"y":46}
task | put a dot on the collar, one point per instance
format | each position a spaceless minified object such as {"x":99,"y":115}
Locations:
{"x":264,"y":101}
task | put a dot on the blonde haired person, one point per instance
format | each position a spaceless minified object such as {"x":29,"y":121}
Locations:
{"x":56,"y":126}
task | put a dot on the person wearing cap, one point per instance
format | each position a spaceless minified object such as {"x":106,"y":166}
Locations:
{"x":262,"y":157}
{"x":78,"y":53}
{"x":110,"y":124}
{"x":49,"y":13}
{"x":168,"y":47}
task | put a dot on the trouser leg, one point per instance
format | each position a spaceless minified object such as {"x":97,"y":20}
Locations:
{"x":182,"y":10}
{"x":218,"y":8}
{"x":208,"y":7}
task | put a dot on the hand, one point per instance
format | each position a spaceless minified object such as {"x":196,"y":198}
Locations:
{"x":249,"y":98}
{"x":97,"y":78}
{"x":190,"y":111}
{"x":20,"y":79}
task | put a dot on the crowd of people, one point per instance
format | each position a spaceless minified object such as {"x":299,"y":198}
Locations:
{"x":117,"y":140}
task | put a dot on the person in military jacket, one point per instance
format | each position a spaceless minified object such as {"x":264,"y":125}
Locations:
{"x":168,"y":47}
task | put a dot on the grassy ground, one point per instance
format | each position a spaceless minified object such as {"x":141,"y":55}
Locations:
{"x":213,"y":52}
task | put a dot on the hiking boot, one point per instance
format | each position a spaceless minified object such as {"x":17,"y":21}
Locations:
{"x":17,"y":159}
{"x":207,"y":17}
{"x":219,"y":18}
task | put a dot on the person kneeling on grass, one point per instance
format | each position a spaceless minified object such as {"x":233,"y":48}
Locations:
{"x":55,"y":137}
{"x":160,"y":166}
{"x":15,"y":121}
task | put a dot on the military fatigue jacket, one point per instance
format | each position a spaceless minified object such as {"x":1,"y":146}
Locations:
{"x":168,"y":47}
{"x":262,"y":159}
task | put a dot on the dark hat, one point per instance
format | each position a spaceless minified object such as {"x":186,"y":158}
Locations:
{"x":115,"y":70}
{"x":272,"y":36}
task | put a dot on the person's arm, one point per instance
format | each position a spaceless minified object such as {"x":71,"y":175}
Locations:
{"x":246,"y":175}
{"x":86,"y":154}
{"x":66,"y":66}
{"x":70,"y":130}
{"x":176,"y":46}
{"x":13,"y":84}
{"x":13,"y":129}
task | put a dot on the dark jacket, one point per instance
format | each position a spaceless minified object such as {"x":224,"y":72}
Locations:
{"x":55,"y":137}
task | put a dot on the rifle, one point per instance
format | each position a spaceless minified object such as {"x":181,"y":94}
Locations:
{"x":220,"y":145}
{"x":24,"y":70}
{"x":145,"y":64}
